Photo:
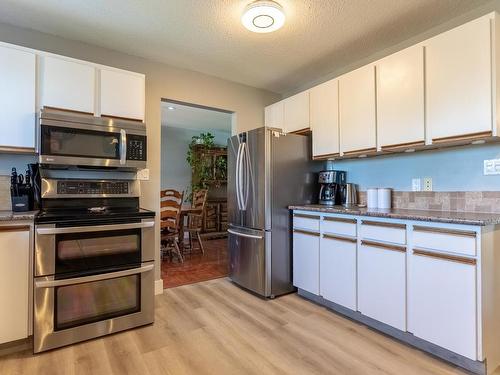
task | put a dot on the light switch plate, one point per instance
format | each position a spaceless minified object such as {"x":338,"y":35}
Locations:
{"x":416,"y":184}
{"x":143,"y":174}
{"x":427,"y":183}
{"x":491,"y":167}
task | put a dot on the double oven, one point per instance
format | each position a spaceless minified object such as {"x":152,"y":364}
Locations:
{"x":94,"y":245}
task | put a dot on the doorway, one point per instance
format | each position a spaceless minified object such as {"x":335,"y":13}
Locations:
{"x":194,"y":165}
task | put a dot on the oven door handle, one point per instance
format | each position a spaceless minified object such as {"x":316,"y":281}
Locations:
{"x":123,"y":147}
{"x":88,"y":279}
{"x":94,"y":228}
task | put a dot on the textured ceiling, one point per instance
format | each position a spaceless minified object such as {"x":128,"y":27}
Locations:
{"x":319,"y":36}
{"x":188,"y":117}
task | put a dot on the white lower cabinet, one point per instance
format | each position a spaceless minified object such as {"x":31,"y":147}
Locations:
{"x":306,"y":260}
{"x":338,"y":270}
{"x":442,"y":302}
{"x":14,"y":282}
{"x":382,"y":283}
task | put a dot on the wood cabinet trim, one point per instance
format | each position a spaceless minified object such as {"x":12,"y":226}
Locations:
{"x":69,"y":110}
{"x":306,"y":232}
{"x":17,"y":150}
{"x":452,"y":232}
{"x":380,"y":245}
{"x":339,"y":238}
{"x":326,"y":156}
{"x":360,"y":151}
{"x":448,"y":257}
{"x":14,"y":228}
{"x":463,"y":137}
{"x":400,"y":146}
{"x":305,"y":216}
{"x":303,"y":131}
{"x":383,"y":224}
{"x":122,"y":118}
{"x":340,"y":219}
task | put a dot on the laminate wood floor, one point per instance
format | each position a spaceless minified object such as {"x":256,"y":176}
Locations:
{"x":215,"y":327}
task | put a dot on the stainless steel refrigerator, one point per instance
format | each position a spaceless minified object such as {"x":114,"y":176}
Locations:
{"x":267,"y":172}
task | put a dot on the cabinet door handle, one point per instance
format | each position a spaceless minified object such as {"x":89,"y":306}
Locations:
{"x":307,"y":233}
{"x":464,"y":137}
{"x":304,"y":216}
{"x":340,"y":220}
{"x":448,"y":257}
{"x":339,"y":238}
{"x":401,"y":249}
{"x":453,"y":232}
{"x":383,"y":224}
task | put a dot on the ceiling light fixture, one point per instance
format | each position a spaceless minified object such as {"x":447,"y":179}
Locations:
{"x":263,"y":16}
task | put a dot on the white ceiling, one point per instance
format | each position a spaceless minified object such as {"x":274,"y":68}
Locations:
{"x":195,"y":118}
{"x":319,"y":36}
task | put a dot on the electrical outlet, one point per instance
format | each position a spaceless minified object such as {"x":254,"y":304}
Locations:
{"x":491,"y":167}
{"x":143,"y":174}
{"x":427,"y":183}
{"x":416,"y":184}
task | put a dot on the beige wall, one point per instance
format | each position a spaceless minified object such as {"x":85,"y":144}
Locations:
{"x":162,"y":81}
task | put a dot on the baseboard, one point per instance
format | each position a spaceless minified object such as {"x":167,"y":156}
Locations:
{"x":158,"y":287}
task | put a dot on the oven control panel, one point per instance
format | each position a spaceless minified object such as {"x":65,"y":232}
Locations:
{"x":136,"y":147}
{"x":92,"y":187}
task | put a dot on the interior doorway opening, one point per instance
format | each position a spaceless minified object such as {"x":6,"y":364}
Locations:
{"x":193,"y":192}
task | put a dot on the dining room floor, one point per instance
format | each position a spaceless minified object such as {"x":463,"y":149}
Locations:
{"x":196,"y":266}
{"x":215,"y":327}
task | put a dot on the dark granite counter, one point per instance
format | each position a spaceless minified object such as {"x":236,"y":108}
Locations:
{"x":452,"y":217}
{"x":14,"y":216}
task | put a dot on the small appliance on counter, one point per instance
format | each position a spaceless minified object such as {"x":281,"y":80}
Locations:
{"x":332,"y":191}
{"x":350,"y":197}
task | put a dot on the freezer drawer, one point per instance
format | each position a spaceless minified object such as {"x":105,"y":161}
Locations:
{"x":248,"y":263}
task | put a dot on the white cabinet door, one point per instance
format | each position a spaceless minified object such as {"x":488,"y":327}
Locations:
{"x":324,"y":113}
{"x":357,"y":111}
{"x":442,"y":303}
{"x":306,"y":261}
{"x":17,"y":98}
{"x":382,"y":284}
{"x":273,"y":115}
{"x":122,"y":94}
{"x":296,"y":112}
{"x":338,"y":270}
{"x":67,"y":84}
{"x":14,"y":284}
{"x":400,"y":98}
{"x":458,"y":80}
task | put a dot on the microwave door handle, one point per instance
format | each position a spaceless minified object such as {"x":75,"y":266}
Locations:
{"x":123,"y":147}
{"x":88,"y":279}
{"x":94,"y":228}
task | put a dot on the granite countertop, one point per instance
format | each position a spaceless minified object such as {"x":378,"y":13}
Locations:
{"x":13,"y":216}
{"x":453,"y":217}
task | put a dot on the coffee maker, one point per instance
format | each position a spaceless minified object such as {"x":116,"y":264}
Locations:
{"x":332,"y":187}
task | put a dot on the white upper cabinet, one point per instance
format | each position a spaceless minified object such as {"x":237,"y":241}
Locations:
{"x":357,"y":111}
{"x":296,"y":112}
{"x":459,"y":81}
{"x":122,"y":94}
{"x":400,"y":99}
{"x":17,"y":98}
{"x":324,"y":113}
{"x":273,"y":115}
{"x":67,"y":84}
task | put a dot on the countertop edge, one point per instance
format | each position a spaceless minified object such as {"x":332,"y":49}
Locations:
{"x":9,"y":216}
{"x":426,"y":215}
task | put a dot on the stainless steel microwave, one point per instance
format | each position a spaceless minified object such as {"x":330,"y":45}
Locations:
{"x":75,"y":139}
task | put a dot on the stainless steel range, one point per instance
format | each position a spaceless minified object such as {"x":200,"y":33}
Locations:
{"x":94,"y":260}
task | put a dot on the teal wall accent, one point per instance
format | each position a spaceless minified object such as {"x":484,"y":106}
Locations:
{"x":457,"y":169}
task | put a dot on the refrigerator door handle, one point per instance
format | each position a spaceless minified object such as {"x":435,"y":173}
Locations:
{"x":247,"y":176}
{"x":238,"y":169}
{"x":240,"y":176}
{"x":244,"y":234}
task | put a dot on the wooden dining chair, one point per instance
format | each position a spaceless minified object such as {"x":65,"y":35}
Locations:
{"x":195,"y":218}
{"x":170,"y":211}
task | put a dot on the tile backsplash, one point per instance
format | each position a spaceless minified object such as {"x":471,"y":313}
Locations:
{"x":5,"y":203}
{"x":475,"y":201}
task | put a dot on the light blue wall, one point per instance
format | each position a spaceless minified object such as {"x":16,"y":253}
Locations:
{"x":457,"y":169}
{"x":7,"y":161}
{"x":175,"y":171}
